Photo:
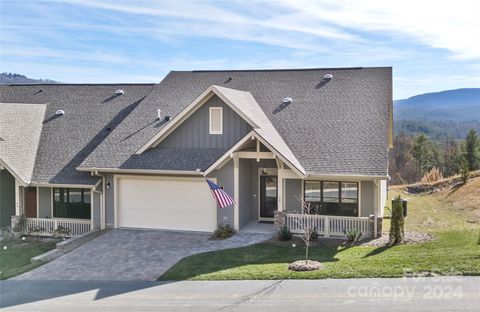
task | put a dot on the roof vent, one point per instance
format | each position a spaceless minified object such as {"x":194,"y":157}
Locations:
{"x":168,"y":118}
{"x":119,"y":92}
{"x":60,"y":112}
{"x":328,"y":77}
{"x":287,"y":101}
{"x":159,"y":114}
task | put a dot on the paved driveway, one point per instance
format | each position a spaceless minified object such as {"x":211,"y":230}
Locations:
{"x":127,"y":254}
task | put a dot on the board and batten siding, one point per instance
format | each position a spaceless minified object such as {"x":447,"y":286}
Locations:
{"x":367,"y":198}
{"x":45,"y":202}
{"x":7,"y":197}
{"x":194,"y":131}
{"x":109,"y":201}
{"x":224,"y":178}
{"x":245,"y":193}
{"x":96,"y":210}
{"x":293,"y":189}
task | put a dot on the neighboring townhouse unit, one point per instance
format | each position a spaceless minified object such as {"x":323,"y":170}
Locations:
{"x":137,"y":155}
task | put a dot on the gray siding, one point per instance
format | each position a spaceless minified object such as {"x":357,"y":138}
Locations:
{"x":367,"y":197}
{"x":224,"y":178}
{"x":44,"y":202}
{"x":109,"y":196}
{"x":246,"y":195}
{"x":293,"y":189}
{"x":194,"y":132}
{"x":96,"y":210}
{"x":264,"y":163}
{"x":7,"y":197}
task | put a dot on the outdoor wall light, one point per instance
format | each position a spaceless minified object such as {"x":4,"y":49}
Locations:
{"x":108,"y":185}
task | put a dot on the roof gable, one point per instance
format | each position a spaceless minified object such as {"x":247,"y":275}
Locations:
{"x":20,"y":128}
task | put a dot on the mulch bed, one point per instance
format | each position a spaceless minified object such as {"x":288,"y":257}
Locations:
{"x":410,"y":238}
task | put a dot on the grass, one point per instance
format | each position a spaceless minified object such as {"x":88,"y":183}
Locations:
{"x":449,"y":215}
{"x":16,"y":258}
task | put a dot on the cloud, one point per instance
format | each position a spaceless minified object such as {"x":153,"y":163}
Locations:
{"x":450,"y":25}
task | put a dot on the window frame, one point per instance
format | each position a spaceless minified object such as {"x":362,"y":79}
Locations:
{"x":86,"y":194}
{"x":322,"y":202}
{"x":211,"y":109}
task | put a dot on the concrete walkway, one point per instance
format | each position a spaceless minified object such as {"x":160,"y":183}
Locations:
{"x":129,"y":255}
{"x":384,"y":294}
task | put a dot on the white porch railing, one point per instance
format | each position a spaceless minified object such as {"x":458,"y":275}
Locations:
{"x":327,"y":225}
{"x":47,"y":227}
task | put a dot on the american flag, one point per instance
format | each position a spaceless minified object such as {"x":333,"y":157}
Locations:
{"x":223,"y":199}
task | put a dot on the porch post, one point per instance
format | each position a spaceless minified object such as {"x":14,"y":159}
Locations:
{"x":375,"y":207}
{"x":280,"y":188}
{"x":236,"y":189}
{"x":18,"y":209}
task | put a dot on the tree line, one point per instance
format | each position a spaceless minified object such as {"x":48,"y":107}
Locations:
{"x":415,"y":155}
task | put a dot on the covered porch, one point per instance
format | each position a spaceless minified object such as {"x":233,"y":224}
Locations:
{"x":269,"y":191}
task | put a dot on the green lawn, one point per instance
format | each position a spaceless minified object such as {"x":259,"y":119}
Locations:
{"x":454,"y":251}
{"x":16,"y":258}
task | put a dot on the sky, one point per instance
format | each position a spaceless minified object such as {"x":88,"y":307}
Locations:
{"x":431,"y":45}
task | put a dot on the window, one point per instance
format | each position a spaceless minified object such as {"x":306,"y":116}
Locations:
{"x":71,"y":203}
{"x":313,"y":196}
{"x":332,"y":198}
{"x":216,"y":120}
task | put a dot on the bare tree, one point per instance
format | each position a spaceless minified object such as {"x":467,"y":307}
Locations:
{"x":307,"y":226}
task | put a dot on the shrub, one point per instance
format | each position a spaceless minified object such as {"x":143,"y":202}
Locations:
{"x":433,"y":175}
{"x":61,"y":231}
{"x":397,"y":231}
{"x":21,"y":224}
{"x":223,"y":231}
{"x":353,"y":235}
{"x":284,"y":233}
{"x":313,"y":234}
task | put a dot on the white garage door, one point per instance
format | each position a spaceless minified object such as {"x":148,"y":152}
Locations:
{"x":165,"y":203}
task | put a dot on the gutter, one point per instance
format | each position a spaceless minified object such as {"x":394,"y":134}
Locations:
{"x":102,"y":211}
{"x":144,"y":171}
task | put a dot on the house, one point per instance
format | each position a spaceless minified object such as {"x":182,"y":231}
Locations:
{"x":137,"y":155}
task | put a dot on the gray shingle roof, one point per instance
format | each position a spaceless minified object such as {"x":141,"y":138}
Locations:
{"x":20,"y":129}
{"x":91,"y":113}
{"x":332,"y":127}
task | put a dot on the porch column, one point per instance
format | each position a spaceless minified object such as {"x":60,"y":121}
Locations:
{"x":18,"y":199}
{"x":236,"y":194}
{"x":376,"y":201}
{"x":280,"y":189}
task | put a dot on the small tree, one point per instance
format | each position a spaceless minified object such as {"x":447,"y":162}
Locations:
{"x":397,"y":231}
{"x":464,"y":172}
{"x":471,"y":150}
{"x":308,"y":229}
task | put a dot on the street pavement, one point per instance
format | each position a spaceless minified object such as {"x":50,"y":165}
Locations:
{"x":402,"y":294}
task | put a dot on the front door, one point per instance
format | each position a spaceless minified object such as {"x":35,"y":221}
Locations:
{"x":268,"y":196}
{"x":31,"y":202}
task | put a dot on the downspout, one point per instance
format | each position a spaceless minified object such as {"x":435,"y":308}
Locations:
{"x":102,"y":210}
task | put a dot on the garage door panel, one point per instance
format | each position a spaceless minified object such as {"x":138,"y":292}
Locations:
{"x":165,"y":204}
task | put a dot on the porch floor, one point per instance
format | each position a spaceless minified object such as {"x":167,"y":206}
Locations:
{"x":257,"y":227}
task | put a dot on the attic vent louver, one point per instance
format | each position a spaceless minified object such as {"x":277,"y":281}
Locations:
{"x":60,"y":112}
{"x":287,"y":100}
{"x":119,"y":92}
{"x":328,"y":77}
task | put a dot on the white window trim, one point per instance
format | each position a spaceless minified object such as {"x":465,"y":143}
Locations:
{"x":210,"y":120}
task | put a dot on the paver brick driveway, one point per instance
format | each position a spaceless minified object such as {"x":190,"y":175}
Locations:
{"x":127,"y":254}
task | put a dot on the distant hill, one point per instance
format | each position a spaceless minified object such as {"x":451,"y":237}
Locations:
{"x":8,"y":78}
{"x":451,"y":105}
{"x":439,"y":115}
